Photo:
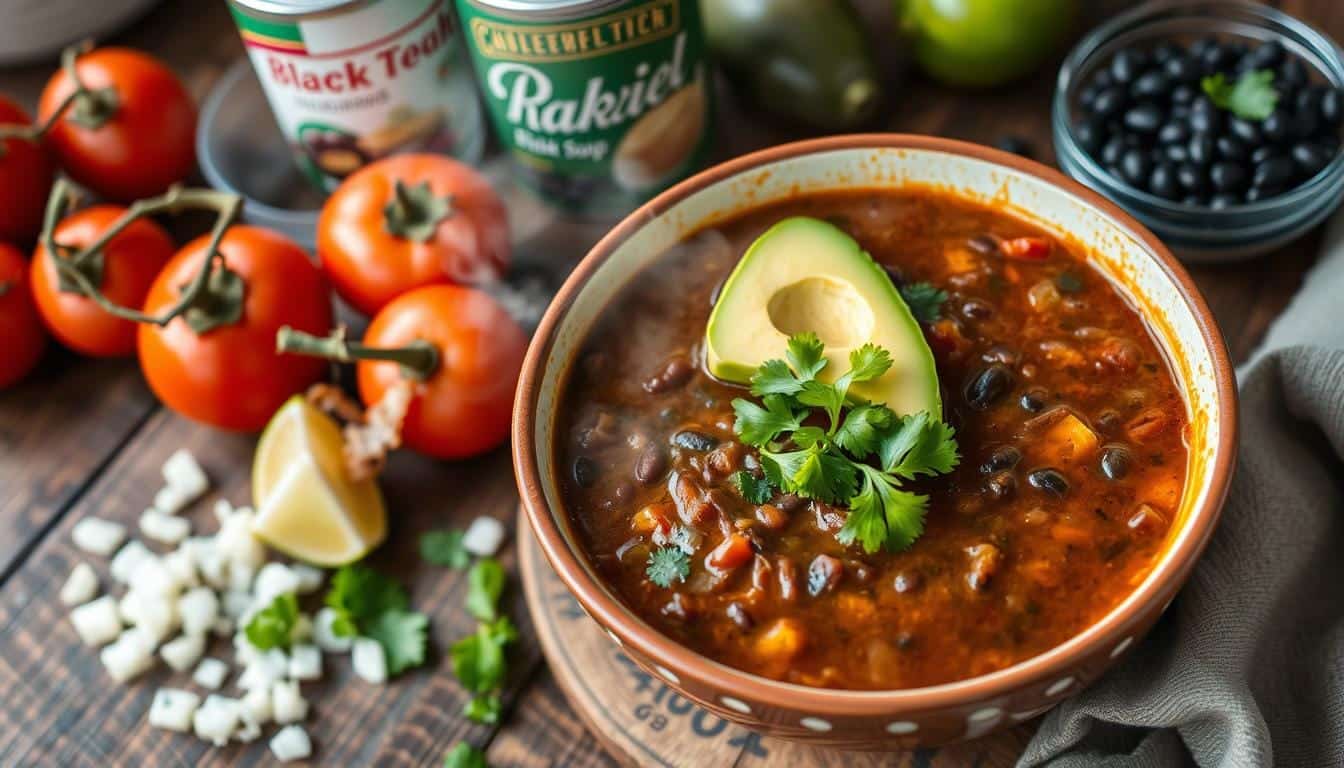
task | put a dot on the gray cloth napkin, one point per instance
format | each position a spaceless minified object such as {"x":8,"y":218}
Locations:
{"x":1247,"y":667}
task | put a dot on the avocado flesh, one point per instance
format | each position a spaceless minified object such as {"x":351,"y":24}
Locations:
{"x":804,"y":274}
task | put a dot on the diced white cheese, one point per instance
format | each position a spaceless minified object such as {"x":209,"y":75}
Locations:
{"x":325,"y":637}
{"x":217,"y":719}
{"x":172,"y":709}
{"x":198,"y":609}
{"x":181,"y":565}
{"x":183,"y":472}
{"x":244,"y":652}
{"x":182,"y":652}
{"x":305,"y":662}
{"x":155,"y":615}
{"x":237,"y":604}
{"x":273,"y":580}
{"x":257,"y":676}
{"x":223,"y":511}
{"x":129,"y":656}
{"x":223,"y":627}
{"x":98,"y":536}
{"x":483,"y":536}
{"x":249,"y":730}
{"x":170,"y":500}
{"x":310,"y":578}
{"x":257,"y":705}
{"x":291,"y":743}
{"x":241,"y":576}
{"x":80,"y":586}
{"x":168,"y":529}
{"x":152,"y":577}
{"x":368,"y":660}
{"x":97,"y":622}
{"x":277,"y":661}
{"x":210,"y":673}
{"x":287,"y":704}
{"x":236,"y":541}
{"x":127,"y":559}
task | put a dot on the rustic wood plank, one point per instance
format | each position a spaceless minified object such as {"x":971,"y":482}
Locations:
{"x":543,"y":732}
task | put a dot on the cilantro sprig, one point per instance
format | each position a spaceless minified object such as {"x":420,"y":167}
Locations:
{"x":445,"y":548}
{"x":369,"y":603}
{"x":1251,"y":97}
{"x":860,"y":457}
{"x":273,"y":626}
{"x":668,"y":564}
{"x":925,"y":301}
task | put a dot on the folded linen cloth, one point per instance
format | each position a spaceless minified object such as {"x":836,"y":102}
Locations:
{"x":1247,"y":667}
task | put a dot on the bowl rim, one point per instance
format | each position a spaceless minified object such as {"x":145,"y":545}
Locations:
{"x":1061,"y":660}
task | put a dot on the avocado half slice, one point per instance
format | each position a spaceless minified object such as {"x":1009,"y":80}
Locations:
{"x":804,"y":274}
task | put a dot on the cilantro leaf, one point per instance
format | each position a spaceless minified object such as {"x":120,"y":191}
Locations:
{"x":464,"y":756}
{"x":485,"y":583}
{"x":862,"y":429}
{"x":814,"y":472}
{"x":444,"y":548}
{"x":774,"y":378}
{"x":806,"y":437}
{"x":883,"y":515}
{"x":668,"y":564}
{"x":360,"y":594}
{"x":918,"y":445}
{"x":485,"y":708}
{"x":1252,"y":97}
{"x":758,"y":426}
{"x":831,"y":397}
{"x":403,"y":637}
{"x":273,"y":626}
{"x":868,"y":362}
{"x":924,"y":300}
{"x":805,"y":355}
{"x":478,"y":659}
{"x":754,"y":489}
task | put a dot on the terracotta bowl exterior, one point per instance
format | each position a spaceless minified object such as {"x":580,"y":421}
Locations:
{"x":1137,"y":263}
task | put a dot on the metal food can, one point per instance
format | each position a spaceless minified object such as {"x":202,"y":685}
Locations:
{"x":351,"y":81}
{"x":601,"y":103}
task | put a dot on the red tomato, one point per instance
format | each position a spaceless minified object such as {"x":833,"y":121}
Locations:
{"x":148,"y":140}
{"x":26,"y":172}
{"x":231,"y":376}
{"x":1026,"y":248}
{"x":131,"y":261}
{"x":21,"y":336}
{"x":374,"y":251}
{"x":464,"y":407}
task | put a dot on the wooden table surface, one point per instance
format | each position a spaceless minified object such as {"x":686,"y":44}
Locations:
{"x":86,"y":437}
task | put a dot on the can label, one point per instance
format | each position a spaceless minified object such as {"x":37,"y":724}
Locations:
{"x":350,"y":87}
{"x":600,"y":111}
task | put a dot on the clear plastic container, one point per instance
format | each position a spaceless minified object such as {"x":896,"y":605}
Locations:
{"x":1195,"y":232}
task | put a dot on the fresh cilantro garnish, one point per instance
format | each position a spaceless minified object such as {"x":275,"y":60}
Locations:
{"x":376,"y":606}
{"x":859,"y":459}
{"x":924,"y":300}
{"x":273,"y":626}
{"x":485,"y":583}
{"x":485,"y":708}
{"x":1252,"y":97}
{"x":464,"y":756}
{"x":755,"y":489}
{"x":444,"y":548}
{"x":478,"y":661}
{"x":668,"y":564}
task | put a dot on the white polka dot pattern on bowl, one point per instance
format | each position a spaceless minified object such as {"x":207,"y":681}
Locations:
{"x":1059,"y":686}
{"x":667,"y":673}
{"x":815,"y":724}
{"x":737,"y":705}
{"x":902,"y":727}
{"x":982,"y":721}
{"x":1124,"y":644}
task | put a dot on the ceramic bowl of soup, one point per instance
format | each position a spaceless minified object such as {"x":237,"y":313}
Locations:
{"x":1088,"y":389}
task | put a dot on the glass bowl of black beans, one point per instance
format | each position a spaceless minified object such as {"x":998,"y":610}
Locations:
{"x":1216,"y":123}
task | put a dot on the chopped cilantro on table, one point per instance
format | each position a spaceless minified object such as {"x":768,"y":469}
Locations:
{"x":924,"y":300}
{"x":479,"y":663}
{"x":668,"y":564}
{"x":464,"y":756}
{"x":1251,"y":97}
{"x":859,"y":460}
{"x":273,"y":626}
{"x":445,"y":548}
{"x":371,"y":604}
{"x":485,"y":583}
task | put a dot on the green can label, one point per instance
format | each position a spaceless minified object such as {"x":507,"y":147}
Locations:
{"x":601,"y":111}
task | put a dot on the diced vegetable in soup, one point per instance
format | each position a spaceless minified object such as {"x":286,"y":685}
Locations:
{"x":1067,"y":422}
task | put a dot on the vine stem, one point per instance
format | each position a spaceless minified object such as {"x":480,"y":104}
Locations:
{"x":68,"y":261}
{"x":419,"y":359}
{"x":34,"y":133}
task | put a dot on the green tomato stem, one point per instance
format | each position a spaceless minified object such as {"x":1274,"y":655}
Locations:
{"x":418,"y":360}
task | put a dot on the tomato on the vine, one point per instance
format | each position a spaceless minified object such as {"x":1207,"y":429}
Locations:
{"x":124,"y":271}
{"x":408,"y":221}
{"x":217,"y":362}
{"x":26,"y":172}
{"x":21,"y":336}
{"x":131,"y":131}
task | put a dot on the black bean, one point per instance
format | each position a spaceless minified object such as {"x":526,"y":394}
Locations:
{"x":1173,"y":132}
{"x":1204,"y":122}
{"x":1194,"y":200}
{"x":585,"y":472}
{"x":1307,"y":100}
{"x":1221,"y":201}
{"x":1292,"y":72}
{"x":1086,"y":95}
{"x":1256,"y":194}
{"x":1191,"y":178}
{"x":676,"y":371}
{"x":690,"y":440}
{"x":1310,"y":158}
{"x":1266,"y":55}
{"x":907,"y":581}
{"x":1277,"y":127}
{"x":1176,"y":153}
{"x":1116,"y":461}
{"x":1181,"y":96}
{"x":1014,"y":144}
{"x":1052,"y":481}
{"x":1201,"y":149}
{"x":1245,"y":130}
{"x":1216,"y":58}
{"x":1101,"y":79}
{"x":1261,"y":154}
{"x":1332,"y":108}
{"x":1001,"y":458}
{"x":1181,"y":69}
{"x":1201,"y":45}
{"x":1112,"y":150}
{"x":983,"y":244}
{"x":1304,"y":124}
{"x":976,"y":309}
{"x":1126,"y":65}
{"x":1033,"y":400}
{"x":1135,"y":166}
{"x":1227,"y":176}
{"x":1090,"y":135}
{"x":1001,"y":486}
{"x":1109,"y":102}
{"x":1229,"y":148}
{"x":1162,"y":181}
{"x":1165,"y":50}
{"x":1179,"y":111}
{"x":988,"y":385}
{"x":651,"y":464}
{"x":1145,"y":118}
{"x":1275,"y":172}
{"x":1150,"y":85}
{"x":823,"y":574}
